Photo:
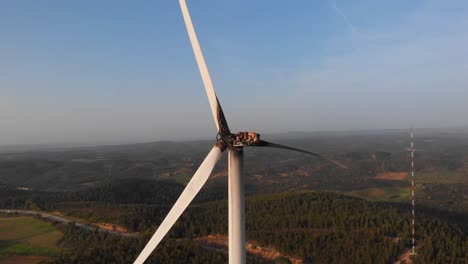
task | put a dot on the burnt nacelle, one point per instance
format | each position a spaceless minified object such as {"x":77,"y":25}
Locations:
{"x":242,"y":139}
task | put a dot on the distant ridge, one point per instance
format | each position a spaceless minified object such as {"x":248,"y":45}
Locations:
{"x":424,"y":132}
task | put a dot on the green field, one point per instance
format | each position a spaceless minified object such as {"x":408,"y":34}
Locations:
{"x":439,"y":176}
{"x":389,"y":194}
{"x":27,"y":236}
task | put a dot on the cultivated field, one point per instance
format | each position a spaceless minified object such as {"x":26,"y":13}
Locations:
{"x":27,"y":236}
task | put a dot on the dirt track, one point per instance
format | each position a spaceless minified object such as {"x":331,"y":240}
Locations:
{"x":216,"y":241}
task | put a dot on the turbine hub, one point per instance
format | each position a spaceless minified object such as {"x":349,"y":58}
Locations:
{"x":222,"y":141}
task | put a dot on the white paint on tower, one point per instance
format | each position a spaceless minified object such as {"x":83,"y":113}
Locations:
{"x":412,"y":192}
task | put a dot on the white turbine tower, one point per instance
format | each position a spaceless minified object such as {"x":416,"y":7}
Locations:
{"x":225,"y":140}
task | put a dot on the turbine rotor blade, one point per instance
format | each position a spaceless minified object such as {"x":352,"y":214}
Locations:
{"x":191,"y":190}
{"x":216,"y":109}
{"x":274,"y":145}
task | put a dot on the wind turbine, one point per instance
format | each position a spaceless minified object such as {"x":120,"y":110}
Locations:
{"x":226,"y":140}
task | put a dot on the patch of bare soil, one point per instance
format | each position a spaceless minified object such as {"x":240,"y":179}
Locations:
{"x":392,"y":176}
{"x":112,"y":227}
{"x":269,"y":253}
{"x":24,"y":259}
{"x":258,"y":177}
{"x":223,"y":173}
{"x":57,"y":213}
{"x":404,"y":258}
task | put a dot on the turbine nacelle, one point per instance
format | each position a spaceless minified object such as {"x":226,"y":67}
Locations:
{"x":244,"y":139}
{"x":238,"y":140}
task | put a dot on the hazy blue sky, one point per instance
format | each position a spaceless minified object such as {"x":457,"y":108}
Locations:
{"x":77,"y":71}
